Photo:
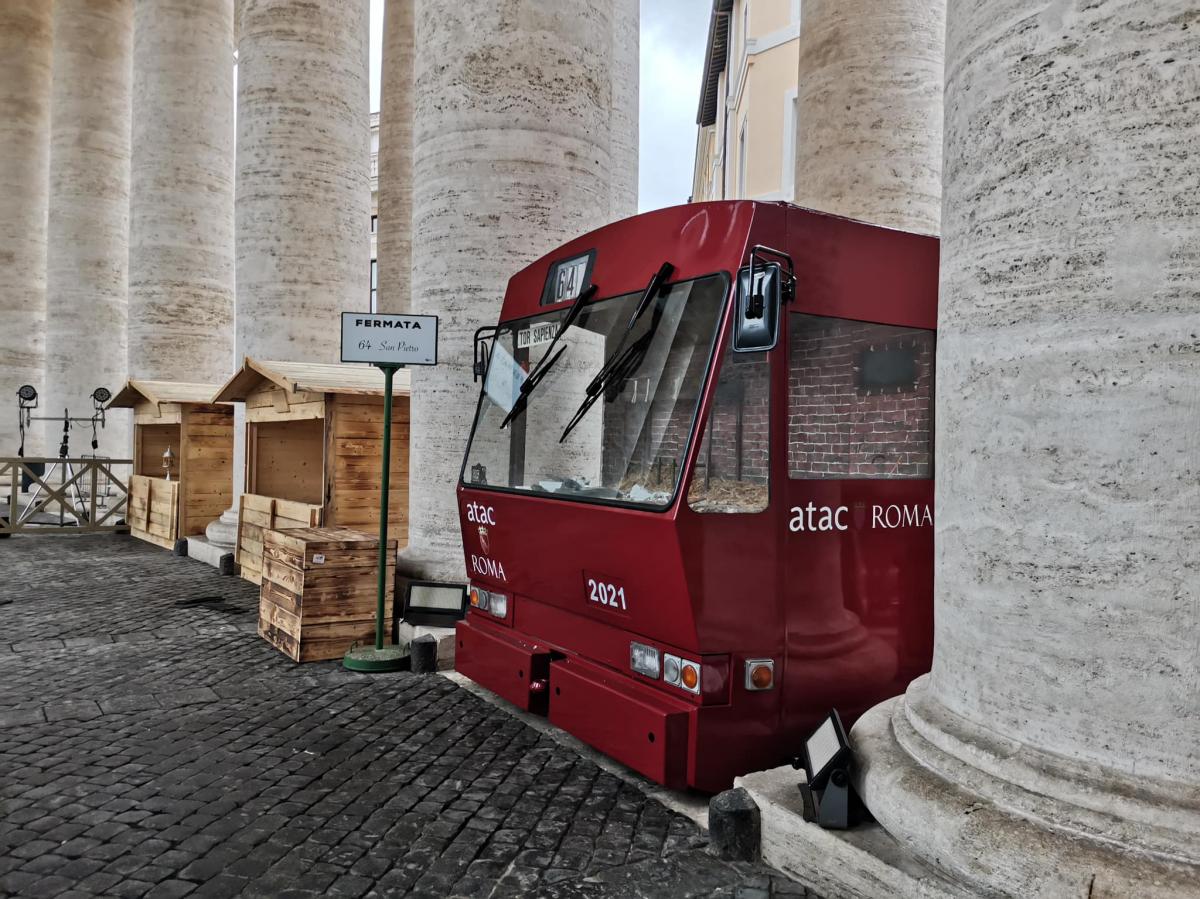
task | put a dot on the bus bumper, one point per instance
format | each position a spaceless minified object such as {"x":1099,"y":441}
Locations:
{"x":615,"y":714}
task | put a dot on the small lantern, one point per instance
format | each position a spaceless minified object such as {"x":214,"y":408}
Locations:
{"x":168,"y":462}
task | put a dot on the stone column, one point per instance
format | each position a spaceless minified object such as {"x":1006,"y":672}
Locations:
{"x":26,"y":29}
{"x":869,"y":123}
{"x":1055,"y":748}
{"x":303,"y":191}
{"x":181,"y":195}
{"x":303,"y":208}
{"x":623,"y":128}
{"x":394,"y":236}
{"x":87,"y":288}
{"x":513,"y":110}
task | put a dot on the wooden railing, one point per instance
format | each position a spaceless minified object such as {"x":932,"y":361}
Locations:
{"x":73,"y":495}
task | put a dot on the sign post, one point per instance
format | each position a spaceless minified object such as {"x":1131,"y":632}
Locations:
{"x":389,"y":342}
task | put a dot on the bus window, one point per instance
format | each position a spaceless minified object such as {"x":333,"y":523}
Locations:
{"x":733,"y":467}
{"x":860,"y":399}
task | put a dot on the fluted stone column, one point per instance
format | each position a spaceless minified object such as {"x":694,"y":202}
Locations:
{"x":513,"y":107}
{"x":623,"y":128}
{"x":1055,"y":748}
{"x":87,"y":288}
{"x":303,"y":206}
{"x":181,"y":196}
{"x":869,"y":123}
{"x":394,"y":236}
{"x":303,"y":191}
{"x":26,"y":30}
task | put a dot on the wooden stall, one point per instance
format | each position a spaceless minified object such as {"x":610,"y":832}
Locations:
{"x":184,"y":418}
{"x":314,"y":450}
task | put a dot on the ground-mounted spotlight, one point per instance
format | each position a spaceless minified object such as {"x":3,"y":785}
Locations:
{"x":433,"y":604}
{"x":828,"y":761}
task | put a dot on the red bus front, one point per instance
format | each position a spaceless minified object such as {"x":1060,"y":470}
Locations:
{"x":682,"y":553}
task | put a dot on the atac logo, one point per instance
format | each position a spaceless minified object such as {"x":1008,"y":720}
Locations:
{"x":477,"y":513}
{"x":485,"y":542}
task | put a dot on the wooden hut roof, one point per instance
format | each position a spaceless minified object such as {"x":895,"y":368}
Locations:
{"x":137,"y":391}
{"x":311,"y":377}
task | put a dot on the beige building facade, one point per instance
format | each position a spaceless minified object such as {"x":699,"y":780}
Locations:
{"x":746,"y":134}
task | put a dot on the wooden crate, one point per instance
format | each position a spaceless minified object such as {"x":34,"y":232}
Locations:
{"x":153,"y":513}
{"x":319,"y":590}
{"x":257,"y":515}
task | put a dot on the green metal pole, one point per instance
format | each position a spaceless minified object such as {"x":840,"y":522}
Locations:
{"x":388,"y":372}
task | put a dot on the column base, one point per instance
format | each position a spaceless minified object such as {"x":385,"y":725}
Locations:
{"x":222,"y":533}
{"x":1066,"y":831}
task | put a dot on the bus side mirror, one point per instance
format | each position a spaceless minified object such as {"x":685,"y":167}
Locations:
{"x":756,"y":314}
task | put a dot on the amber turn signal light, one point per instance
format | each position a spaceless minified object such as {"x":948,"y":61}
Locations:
{"x":690,"y":677}
{"x":760,"y":674}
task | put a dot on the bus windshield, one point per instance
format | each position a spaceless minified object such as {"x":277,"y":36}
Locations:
{"x":629,"y":446}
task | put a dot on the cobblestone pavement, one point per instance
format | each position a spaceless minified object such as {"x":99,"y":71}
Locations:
{"x":151,"y":744}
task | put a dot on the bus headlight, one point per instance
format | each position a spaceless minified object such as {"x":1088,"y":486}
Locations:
{"x":681,"y":673}
{"x":479,"y":598}
{"x":643,"y":659}
{"x":498,"y":604}
{"x":671,"y":669}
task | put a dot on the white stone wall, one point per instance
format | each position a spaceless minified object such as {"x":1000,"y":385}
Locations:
{"x":26,"y":31}
{"x":88,"y":224}
{"x":512,"y":157}
{"x":395,"y":159}
{"x":181,"y":263}
{"x":303,"y":201}
{"x":869,"y":111}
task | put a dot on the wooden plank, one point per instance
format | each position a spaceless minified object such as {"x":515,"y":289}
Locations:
{"x":298,"y":412}
{"x":284,"y":642}
{"x":275,"y":616}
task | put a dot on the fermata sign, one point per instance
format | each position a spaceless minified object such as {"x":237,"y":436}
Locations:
{"x":389,"y":339}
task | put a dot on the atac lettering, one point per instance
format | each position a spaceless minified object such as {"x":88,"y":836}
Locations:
{"x":818,"y":518}
{"x":404,"y":324}
{"x":482,"y":565}
{"x":481,"y":514}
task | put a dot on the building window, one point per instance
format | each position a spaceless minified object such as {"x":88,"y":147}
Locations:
{"x":374,"y":283}
{"x":374,"y":224}
{"x":860,"y":399}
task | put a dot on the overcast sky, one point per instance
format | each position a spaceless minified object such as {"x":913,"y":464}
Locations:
{"x":673,"y":36}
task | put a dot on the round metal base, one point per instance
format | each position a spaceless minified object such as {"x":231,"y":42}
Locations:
{"x":370,"y":660}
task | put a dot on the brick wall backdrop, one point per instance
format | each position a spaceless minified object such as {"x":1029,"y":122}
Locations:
{"x":836,"y":428}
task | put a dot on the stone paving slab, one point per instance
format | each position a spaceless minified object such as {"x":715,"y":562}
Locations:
{"x":152,"y":745}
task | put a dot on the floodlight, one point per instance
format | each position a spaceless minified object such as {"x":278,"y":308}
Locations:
{"x":433,"y":604}
{"x":101,"y":395}
{"x":829,"y":798}
{"x":27,"y":394}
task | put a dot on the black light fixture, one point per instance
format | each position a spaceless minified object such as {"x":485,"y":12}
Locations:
{"x":828,"y":760}
{"x":433,"y":604}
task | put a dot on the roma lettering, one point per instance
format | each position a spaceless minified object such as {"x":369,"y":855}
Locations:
{"x":891,"y":517}
{"x":482,"y":565}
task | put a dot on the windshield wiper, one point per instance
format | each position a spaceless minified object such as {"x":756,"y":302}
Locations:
{"x":622,"y":362}
{"x":543,"y":367}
